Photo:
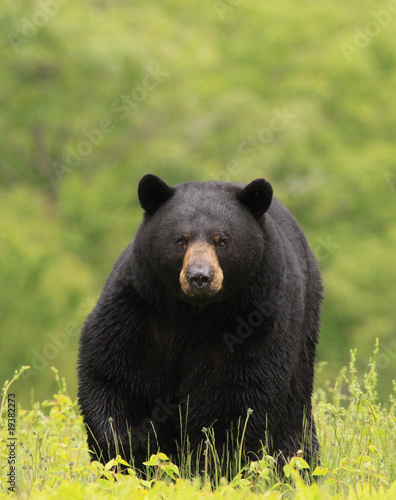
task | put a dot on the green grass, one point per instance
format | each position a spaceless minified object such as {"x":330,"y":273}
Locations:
{"x":357,"y":436}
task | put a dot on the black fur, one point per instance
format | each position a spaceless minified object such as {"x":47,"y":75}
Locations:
{"x":146,"y":349}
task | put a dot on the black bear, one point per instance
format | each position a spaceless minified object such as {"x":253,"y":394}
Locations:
{"x":212,"y":310}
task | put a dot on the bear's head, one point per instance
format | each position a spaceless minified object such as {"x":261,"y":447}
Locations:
{"x":203,"y":240}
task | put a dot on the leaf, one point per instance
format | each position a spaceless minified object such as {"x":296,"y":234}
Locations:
{"x":110,"y":464}
{"x":146,"y":484}
{"x":104,"y":484}
{"x":53,"y":448}
{"x":380,"y":432}
{"x":287,"y":470}
{"x":366,"y":430}
{"x":153,"y":461}
{"x":320,"y":471}
{"x":109,"y":476}
{"x":121,"y":461}
{"x":301,"y":463}
{"x":97,"y":466}
{"x":171,"y":470}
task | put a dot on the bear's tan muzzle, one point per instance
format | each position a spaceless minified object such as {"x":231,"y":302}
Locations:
{"x":201,"y":274}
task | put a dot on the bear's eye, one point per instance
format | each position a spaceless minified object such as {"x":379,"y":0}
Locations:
{"x":222,"y":243}
{"x":180,"y":243}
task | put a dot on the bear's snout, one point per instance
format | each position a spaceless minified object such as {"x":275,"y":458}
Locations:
{"x":201,"y":274}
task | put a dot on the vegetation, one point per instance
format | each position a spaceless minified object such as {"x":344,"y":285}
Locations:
{"x":96,"y":94}
{"x":357,"y":436}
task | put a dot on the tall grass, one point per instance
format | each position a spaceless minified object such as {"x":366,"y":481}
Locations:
{"x":357,"y":435}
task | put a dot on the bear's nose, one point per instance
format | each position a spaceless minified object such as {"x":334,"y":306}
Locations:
{"x":199,"y":275}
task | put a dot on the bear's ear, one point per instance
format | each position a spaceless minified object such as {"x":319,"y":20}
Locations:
{"x":153,"y":192}
{"x":256,"y":197}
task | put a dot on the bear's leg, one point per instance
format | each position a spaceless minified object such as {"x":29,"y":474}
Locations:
{"x":114,"y":427}
{"x":295,"y":429}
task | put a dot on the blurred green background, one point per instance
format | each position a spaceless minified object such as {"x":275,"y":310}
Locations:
{"x":94,"y":94}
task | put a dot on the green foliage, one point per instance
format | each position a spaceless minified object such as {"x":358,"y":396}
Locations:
{"x":358,"y":439}
{"x":94,"y":94}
